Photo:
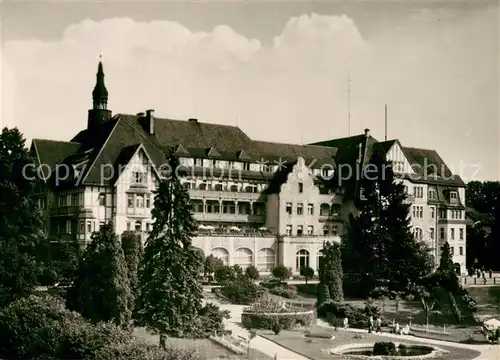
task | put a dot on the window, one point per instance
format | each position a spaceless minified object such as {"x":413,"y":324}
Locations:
{"x":289,"y":208}
{"x":335,"y":209}
{"x":137,"y":226}
{"x":418,"y":211}
{"x":148,"y":227}
{"x":310,"y":209}
{"x":198,"y":162}
{"x":418,"y":233}
{"x":300,"y":230}
{"x":319,"y":259}
{"x":335,"y":230}
{"x":324,"y":210}
{"x":310,"y":230}
{"x":418,"y":192}
{"x":301,"y":187}
{"x":74,"y":199}
{"x":300,"y":209}
{"x":452,"y":234}
{"x":148,"y":200}
{"x":68,"y":226}
{"x":288,"y":230}
{"x":82,"y":227}
{"x":441,"y":233}
{"x":452,"y":250}
{"x":302,"y":259}
{"x":453,"y":195}
{"x":102,"y":199}
{"x":326,"y":230}
{"x":431,"y":233}
{"x":139,"y":201}
{"x":461,"y":234}
{"x":265,"y":259}
{"x":187,"y":185}
{"x":432,"y":194}
{"x":89,"y":226}
{"x":432,"y":212}
{"x":442,"y":213}
{"x":244,"y":257}
{"x":461,"y":250}
{"x":221,"y":253}
{"x":138,"y":177}
{"x":128,"y":225}
{"x":130,"y":201}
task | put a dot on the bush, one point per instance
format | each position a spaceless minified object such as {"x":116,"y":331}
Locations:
{"x":281,"y":272}
{"x":241,"y":291}
{"x":287,"y":321}
{"x":252,"y":273}
{"x":224,"y":273}
{"x":402,"y":350}
{"x":212,"y":318}
{"x":358,"y":318}
{"x":48,"y":277}
{"x":139,"y":351}
{"x":286,"y":291}
{"x":384,"y":348}
{"x":276,"y":328}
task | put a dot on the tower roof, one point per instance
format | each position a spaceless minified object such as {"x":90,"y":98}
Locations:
{"x":100,"y":93}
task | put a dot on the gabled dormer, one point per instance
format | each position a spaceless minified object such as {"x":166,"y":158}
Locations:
{"x":242,"y":155}
{"x":212,"y":152}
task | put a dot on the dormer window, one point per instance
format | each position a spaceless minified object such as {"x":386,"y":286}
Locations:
{"x":453,"y":195}
{"x":138,"y":177}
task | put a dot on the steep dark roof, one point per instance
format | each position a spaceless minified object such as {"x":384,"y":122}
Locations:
{"x":280,"y":177}
{"x":383,"y":147}
{"x":430,"y":167}
{"x":52,"y":152}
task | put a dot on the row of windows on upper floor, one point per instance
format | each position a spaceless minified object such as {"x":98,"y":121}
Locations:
{"x":419,"y":233}
{"x":324,"y":210}
{"x":227,"y":207}
{"x":299,"y":230}
{"x":418,"y":213}
{"x":418,"y":193}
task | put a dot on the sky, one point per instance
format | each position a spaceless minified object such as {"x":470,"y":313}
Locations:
{"x":292,"y":72}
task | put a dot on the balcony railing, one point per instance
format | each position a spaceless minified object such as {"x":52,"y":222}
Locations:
{"x":225,"y":195}
{"x":228,"y":233}
{"x":410,"y":199}
{"x":228,"y":217}
{"x":65,"y":211}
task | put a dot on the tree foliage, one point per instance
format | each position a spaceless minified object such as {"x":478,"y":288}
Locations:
{"x":211,"y":265}
{"x":380,"y":245}
{"x":132,"y":250}
{"x":281,"y":272}
{"x":330,"y":274}
{"x":101,"y":290}
{"x":252,"y":273}
{"x":170,"y":274}
{"x":20,"y":219}
{"x":307,"y":272}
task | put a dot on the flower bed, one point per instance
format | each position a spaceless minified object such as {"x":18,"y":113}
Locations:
{"x":265,"y":314}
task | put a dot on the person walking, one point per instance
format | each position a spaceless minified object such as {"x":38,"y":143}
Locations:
{"x":378,"y":324}
{"x":346,"y":322}
{"x":370,"y":325}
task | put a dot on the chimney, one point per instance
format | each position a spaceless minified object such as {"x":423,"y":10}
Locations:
{"x":150,"y":120}
{"x":193,"y":120}
{"x":367,"y":132}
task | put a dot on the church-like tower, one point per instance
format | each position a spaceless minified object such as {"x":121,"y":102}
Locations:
{"x":99,"y":112}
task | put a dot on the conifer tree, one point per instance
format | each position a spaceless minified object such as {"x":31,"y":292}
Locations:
{"x":330,"y":274}
{"x":132,"y":250}
{"x":171,"y":272}
{"x":101,"y":290}
{"x":20,"y":219}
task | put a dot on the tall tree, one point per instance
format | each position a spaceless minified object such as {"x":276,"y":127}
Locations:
{"x":330,"y":274}
{"x":132,"y":250}
{"x":170,"y":297}
{"x":101,"y":290}
{"x":20,"y":219}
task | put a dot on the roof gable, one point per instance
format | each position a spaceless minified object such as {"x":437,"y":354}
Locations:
{"x":242,"y":155}
{"x":181,"y":151}
{"x":212,"y":152}
{"x":127,"y":155}
{"x":50,"y":153}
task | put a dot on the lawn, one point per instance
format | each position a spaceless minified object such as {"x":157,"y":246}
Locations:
{"x":209,"y":349}
{"x":487,"y":300}
{"x":317,"y":348}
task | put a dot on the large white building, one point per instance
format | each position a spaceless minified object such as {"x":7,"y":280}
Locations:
{"x":256,"y":202}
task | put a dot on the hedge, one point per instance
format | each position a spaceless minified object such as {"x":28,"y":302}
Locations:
{"x":287,"y":321}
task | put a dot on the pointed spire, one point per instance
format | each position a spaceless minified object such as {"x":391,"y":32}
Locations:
{"x":100,"y":93}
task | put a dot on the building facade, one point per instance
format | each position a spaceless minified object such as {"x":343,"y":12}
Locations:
{"x":256,"y":203}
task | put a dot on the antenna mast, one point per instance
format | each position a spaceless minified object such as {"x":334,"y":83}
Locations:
{"x":385,"y":122}
{"x":349,"y":105}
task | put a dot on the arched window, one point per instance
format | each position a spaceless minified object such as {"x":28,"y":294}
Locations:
{"x":418,"y":233}
{"x":233,"y":188}
{"x":222,"y":254}
{"x":138,"y":226}
{"x":324,"y":209}
{"x":302,"y":259}
{"x":319,"y":259}
{"x":265,"y":259}
{"x":218,"y":187}
{"x":244,"y":257}
{"x":335,"y":209}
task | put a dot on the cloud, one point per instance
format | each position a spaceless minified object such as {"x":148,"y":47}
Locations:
{"x":436,"y":79}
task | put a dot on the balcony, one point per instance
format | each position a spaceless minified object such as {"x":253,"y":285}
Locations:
{"x":330,"y":217}
{"x":225,"y":195}
{"x":217,"y":217}
{"x":410,"y":199}
{"x":66,"y":211}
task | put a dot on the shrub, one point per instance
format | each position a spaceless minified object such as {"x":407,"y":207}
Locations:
{"x":287,"y":321}
{"x":276,"y":328}
{"x":358,"y":318}
{"x":271,"y":283}
{"x":252,"y":273}
{"x":307,"y":273}
{"x":281,"y":272}
{"x":212,"y":318}
{"x":384,"y":348}
{"x":286,"y":291}
{"x":139,"y":351}
{"x":48,"y":277}
{"x":224,"y":273}
{"x":241,"y":291}
{"x":402,"y":350}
